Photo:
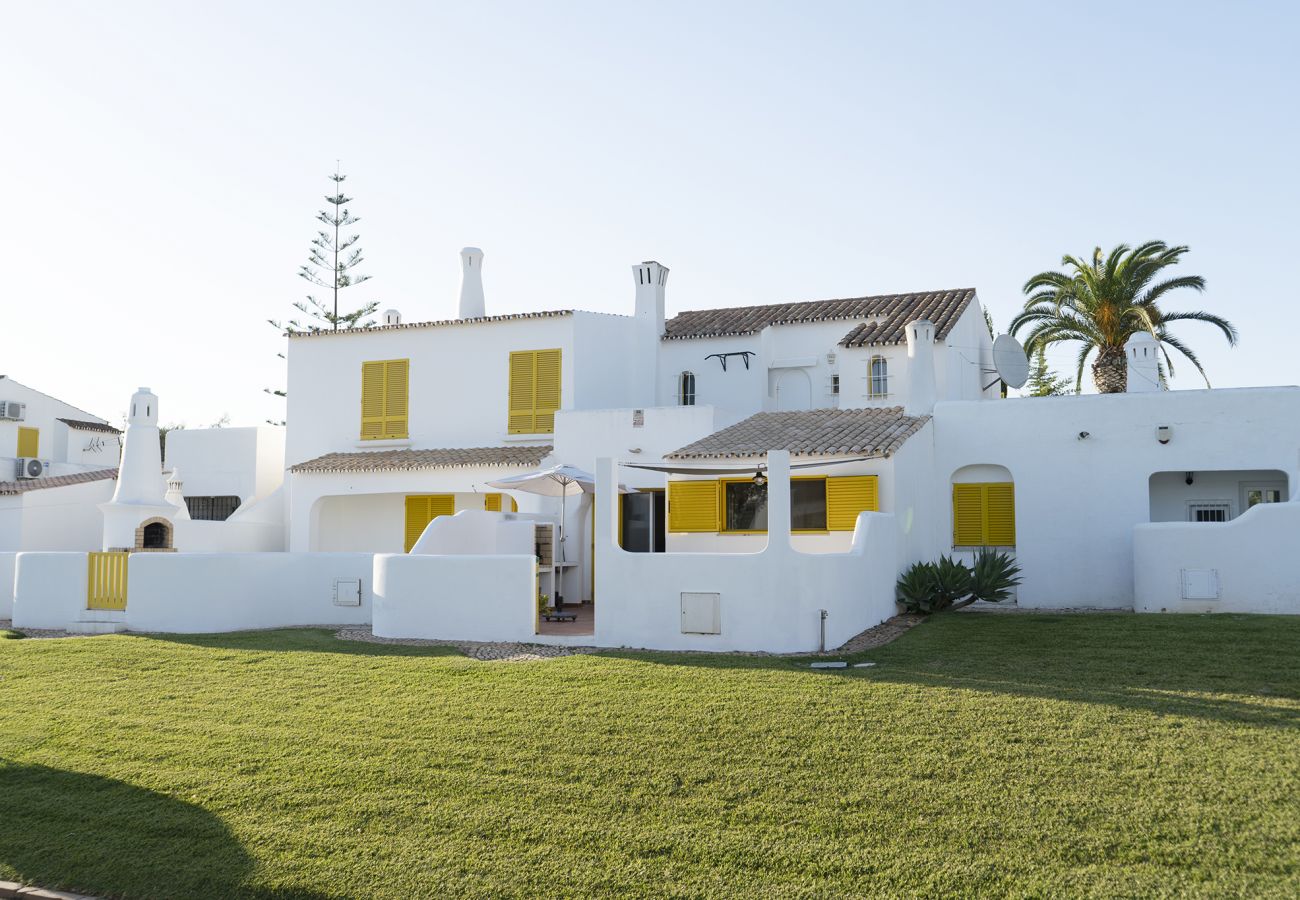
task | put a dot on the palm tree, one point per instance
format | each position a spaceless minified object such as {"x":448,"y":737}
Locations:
{"x":1103,"y":304}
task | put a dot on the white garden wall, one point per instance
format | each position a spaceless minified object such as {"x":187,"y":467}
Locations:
{"x":49,"y":590}
{"x":204,"y":592}
{"x":1251,"y":558}
{"x":473,"y":598}
{"x":8,"y":567}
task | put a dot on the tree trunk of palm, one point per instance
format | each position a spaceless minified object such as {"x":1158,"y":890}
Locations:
{"x":1110,"y":371}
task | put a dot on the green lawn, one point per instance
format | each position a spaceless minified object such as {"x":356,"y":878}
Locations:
{"x":1028,"y":755}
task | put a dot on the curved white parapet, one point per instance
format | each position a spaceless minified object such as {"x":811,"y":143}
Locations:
{"x":1243,"y":566}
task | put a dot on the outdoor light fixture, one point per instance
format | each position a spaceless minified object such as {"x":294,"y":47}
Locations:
{"x":1084,"y":435}
{"x":1189,"y":478}
{"x":1164,"y":433}
{"x":759,"y":478}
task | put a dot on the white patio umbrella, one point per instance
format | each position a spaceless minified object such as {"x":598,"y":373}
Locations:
{"x":557,"y":481}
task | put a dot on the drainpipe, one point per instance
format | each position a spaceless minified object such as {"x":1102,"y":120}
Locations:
{"x":821,"y":640}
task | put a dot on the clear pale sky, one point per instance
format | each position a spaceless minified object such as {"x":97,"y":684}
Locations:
{"x":164,"y":163}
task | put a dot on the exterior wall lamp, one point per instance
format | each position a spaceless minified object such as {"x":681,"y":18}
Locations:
{"x":1164,"y":434}
{"x":759,"y":478}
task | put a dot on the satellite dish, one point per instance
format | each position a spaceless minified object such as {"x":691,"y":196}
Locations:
{"x":1010,"y":362}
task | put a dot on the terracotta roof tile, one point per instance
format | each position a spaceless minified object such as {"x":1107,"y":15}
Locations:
{"x":889,"y":313}
{"x":82,"y":425}
{"x":26,"y":485}
{"x":818,"y":432}
{"x":440,"y":323}
{"x":410,"y":460}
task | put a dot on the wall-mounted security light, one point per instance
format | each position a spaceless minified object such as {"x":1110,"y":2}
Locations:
{"x":1164,"y":434}
{"x":1189,"y":479}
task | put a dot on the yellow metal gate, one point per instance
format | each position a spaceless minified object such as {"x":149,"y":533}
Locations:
{"x":106,"y":581}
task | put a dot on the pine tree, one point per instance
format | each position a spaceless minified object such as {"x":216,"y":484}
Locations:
{"x":330,"y":263}
{"x":1043,"y":382}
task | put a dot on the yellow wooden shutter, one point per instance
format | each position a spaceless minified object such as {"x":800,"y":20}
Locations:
{"x":520,"y":416}
{"x":967,"y":515}
{"x":396,"y":397}
{"x":984,"y":514}
{"x":1000,"y":514}
{"x":547,"y":398}
{"x":29,"y":441}
{"x":492,"y":502}
{"x":848,"y":496}
{"x":372,"y":400}
{"x":534,"y":392}
{"x":385,"y":399}
{"x":693,"y":506}
{"x":423,"y":509}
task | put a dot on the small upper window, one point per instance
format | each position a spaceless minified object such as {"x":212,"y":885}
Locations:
{"x":686,"y":389}
{"x":878,"y":382}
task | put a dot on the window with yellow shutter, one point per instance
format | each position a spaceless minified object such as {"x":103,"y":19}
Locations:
{"x":847,"y":496}
{"x":29,"y":441}
{"x":423,"y":509}
{"x":534,"y":391}
{"x":984,"y":514}
{"x":385,"y":399}
{"x":497,"y":503}
{"x":693,"y":506}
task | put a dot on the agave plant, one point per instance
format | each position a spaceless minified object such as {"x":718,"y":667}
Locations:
{"x":1102,"y":304}
{"x":928,"y":587}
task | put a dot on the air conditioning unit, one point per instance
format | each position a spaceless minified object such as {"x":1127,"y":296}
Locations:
{"x":30,"y":467}
{"x":13,"y":411}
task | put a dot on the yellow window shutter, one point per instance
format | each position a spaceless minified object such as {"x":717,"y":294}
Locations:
{"x":520,"y":414}
{"x":421,"y":510}
{"x":514,"y":506}
{"x":693,"y":506}
{"x":1000,"y":513}
{"x":385,"y":399}
{"x":29,"y":441}
{"x":492,"y":502}
{"x":396,"y":397}
{"x":848,"y":496}
{"x":968,"y":515}
{"x":547,"y":399}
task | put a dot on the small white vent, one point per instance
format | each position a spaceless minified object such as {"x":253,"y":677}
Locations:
{"x":347,"y":591}
{"x":701,"y":613}
{"x":1200,"y":584}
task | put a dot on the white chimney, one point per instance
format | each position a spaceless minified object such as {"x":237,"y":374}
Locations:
{"x":650,"y":279}
{"x":393,"y":317}
{"x":1142,"y":354}
{"x":471,"y":284}
{"x":921,"y":392}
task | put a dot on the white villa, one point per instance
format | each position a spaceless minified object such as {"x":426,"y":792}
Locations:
{"x":761,"y":476}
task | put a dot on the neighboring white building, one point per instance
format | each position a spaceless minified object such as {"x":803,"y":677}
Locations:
{"x":226,"y":469}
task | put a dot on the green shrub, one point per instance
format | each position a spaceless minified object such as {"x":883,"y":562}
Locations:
{"x":928,"y":587}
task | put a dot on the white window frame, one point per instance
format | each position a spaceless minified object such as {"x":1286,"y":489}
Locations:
{"x":872,"y":378}
{"x":686,"y":397}
{"x":1248,"y":486}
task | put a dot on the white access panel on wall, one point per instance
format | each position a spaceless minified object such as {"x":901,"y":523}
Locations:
{"x":347,"y":592}
{"x":701,"y":613}
{"x":1200,"y":584}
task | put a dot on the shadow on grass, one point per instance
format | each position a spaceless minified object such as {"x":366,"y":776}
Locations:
{"x":300,"y":640}
{"x":89,"y":833}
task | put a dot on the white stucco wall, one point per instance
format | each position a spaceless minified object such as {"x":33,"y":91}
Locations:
{"x":8,"y":569}
{"x":474,"y":598}
{"x":206,"y":592}
{"x":1252,"y":558}
{"x":477,"y":532}
{"x":459,"y":378}
{"x":1077,"y":500}
{"x":49,"y":589}
{"x":62,"y":518}
{"x":218,"y":462}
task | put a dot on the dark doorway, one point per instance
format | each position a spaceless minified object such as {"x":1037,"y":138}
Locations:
{"x":643,"y":522}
